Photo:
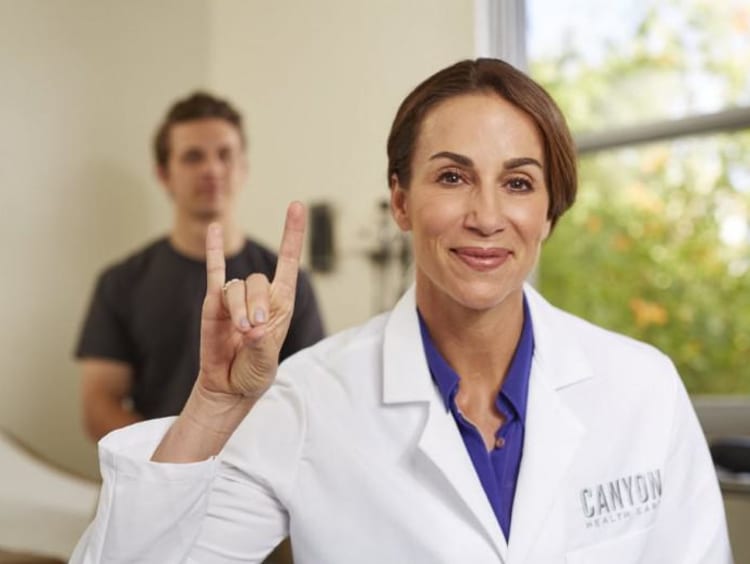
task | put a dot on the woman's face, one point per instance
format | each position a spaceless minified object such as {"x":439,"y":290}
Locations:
{"x":477,"y":202}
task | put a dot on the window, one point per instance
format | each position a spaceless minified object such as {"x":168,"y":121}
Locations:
{"x":657,"y":93}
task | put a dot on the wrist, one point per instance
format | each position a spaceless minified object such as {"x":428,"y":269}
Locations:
{"x":203,"y":428}
{"x":216,"y":412}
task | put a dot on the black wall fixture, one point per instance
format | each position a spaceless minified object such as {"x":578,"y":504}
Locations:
{"x":322,"y":254}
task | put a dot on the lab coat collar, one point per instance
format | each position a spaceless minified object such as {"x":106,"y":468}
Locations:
{"x":553,"y":432}
{"x":404,"y":361}
{"x":554,"y":348}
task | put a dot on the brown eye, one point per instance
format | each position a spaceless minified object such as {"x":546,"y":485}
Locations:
{"x":519,"y":185}
{"x":225,"y":155}
{"x":450,"y":177}
{"x":192,"y":156}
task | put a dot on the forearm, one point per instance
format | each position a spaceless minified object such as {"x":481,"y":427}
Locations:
{"x":203,"y":428}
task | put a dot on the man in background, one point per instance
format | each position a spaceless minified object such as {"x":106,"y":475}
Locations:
{"x":138,"y":349}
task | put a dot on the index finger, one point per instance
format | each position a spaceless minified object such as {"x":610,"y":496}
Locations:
{"x":287,"y":268}
{"x":215,"y":267}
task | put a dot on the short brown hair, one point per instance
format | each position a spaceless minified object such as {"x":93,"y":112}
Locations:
{"x":498,"y":77}
{"x":198,"y":105}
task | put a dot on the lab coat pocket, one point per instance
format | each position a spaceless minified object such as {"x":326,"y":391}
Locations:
{"x":626,"y":549}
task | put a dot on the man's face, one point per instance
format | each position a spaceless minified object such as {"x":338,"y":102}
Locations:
{"x":206,"y":168}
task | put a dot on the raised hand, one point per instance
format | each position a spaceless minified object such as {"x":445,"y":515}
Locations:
{"x":243,"y":325}
{"x":244,"y":322}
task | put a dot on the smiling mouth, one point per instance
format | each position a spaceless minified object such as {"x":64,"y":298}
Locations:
{"x":480,"y":259}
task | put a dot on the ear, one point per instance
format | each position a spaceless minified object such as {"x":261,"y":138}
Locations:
{"x":400,"y":204}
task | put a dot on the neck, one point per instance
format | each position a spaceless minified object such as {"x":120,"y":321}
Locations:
{"x":188,"y":236}
{"x":482,"y":349}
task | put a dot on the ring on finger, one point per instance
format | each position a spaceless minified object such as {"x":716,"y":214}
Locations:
{"x":226,"y":286}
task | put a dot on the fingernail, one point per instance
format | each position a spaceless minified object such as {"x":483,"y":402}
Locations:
{"x":259,"y":315}
{"x":244,"y":323}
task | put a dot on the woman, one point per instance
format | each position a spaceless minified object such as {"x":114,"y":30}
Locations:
{"x":473,"y":423}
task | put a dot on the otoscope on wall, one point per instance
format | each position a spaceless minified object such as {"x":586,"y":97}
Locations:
{"x":387,"y":249}
{"x":391,"y":258}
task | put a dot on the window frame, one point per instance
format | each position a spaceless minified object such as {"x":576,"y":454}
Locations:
{"x":500,"y":31}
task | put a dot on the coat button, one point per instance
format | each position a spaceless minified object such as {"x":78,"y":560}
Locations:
{"x":499,"y":442}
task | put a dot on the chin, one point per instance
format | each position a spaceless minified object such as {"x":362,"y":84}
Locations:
{"x":484,"y":296}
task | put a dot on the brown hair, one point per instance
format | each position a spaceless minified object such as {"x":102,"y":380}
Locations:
{"x":199,"y":105}
{"x":501,"y":78}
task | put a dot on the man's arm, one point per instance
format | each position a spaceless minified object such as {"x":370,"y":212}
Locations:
{"x":105,"y":387}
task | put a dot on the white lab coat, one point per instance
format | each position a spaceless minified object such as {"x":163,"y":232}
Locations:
{"x":353,"y":453}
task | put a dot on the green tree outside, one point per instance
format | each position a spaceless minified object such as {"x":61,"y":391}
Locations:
{"x":658,"y":244}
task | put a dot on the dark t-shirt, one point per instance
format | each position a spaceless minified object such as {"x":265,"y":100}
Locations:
{"x":146,"y":311}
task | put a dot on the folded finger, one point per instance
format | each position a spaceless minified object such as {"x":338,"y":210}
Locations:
{"x":234,"y":302}
{"x":257,"y":298}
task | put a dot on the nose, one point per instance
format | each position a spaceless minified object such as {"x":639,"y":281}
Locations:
{"x":213,"y":167}
{"x":486,"y":211}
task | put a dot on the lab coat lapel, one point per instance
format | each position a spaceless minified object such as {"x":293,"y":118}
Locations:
{"x":442,"y":444}
{"x":406,"y":379}
{"x":553,"y":433}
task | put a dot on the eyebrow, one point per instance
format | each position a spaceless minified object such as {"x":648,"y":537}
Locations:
{"x":466,"y":161}
{"x":460,"y":159}
{"x":191,"y":152}
{"x":522,"y":161}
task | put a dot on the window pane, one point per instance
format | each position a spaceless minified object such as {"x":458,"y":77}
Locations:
{"x":658,"y":247}
{"x":620,"y":63}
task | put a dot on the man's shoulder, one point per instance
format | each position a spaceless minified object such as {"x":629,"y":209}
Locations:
{"x":254,"y":250}
{"x":260,"y":258}
{"x":134,"y":263}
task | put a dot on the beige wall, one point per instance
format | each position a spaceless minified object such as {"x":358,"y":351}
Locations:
{"x":321,"y":82}
{"x":85,"y":82}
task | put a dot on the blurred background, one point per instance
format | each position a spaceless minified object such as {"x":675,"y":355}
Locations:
{"x":658,"y":245}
